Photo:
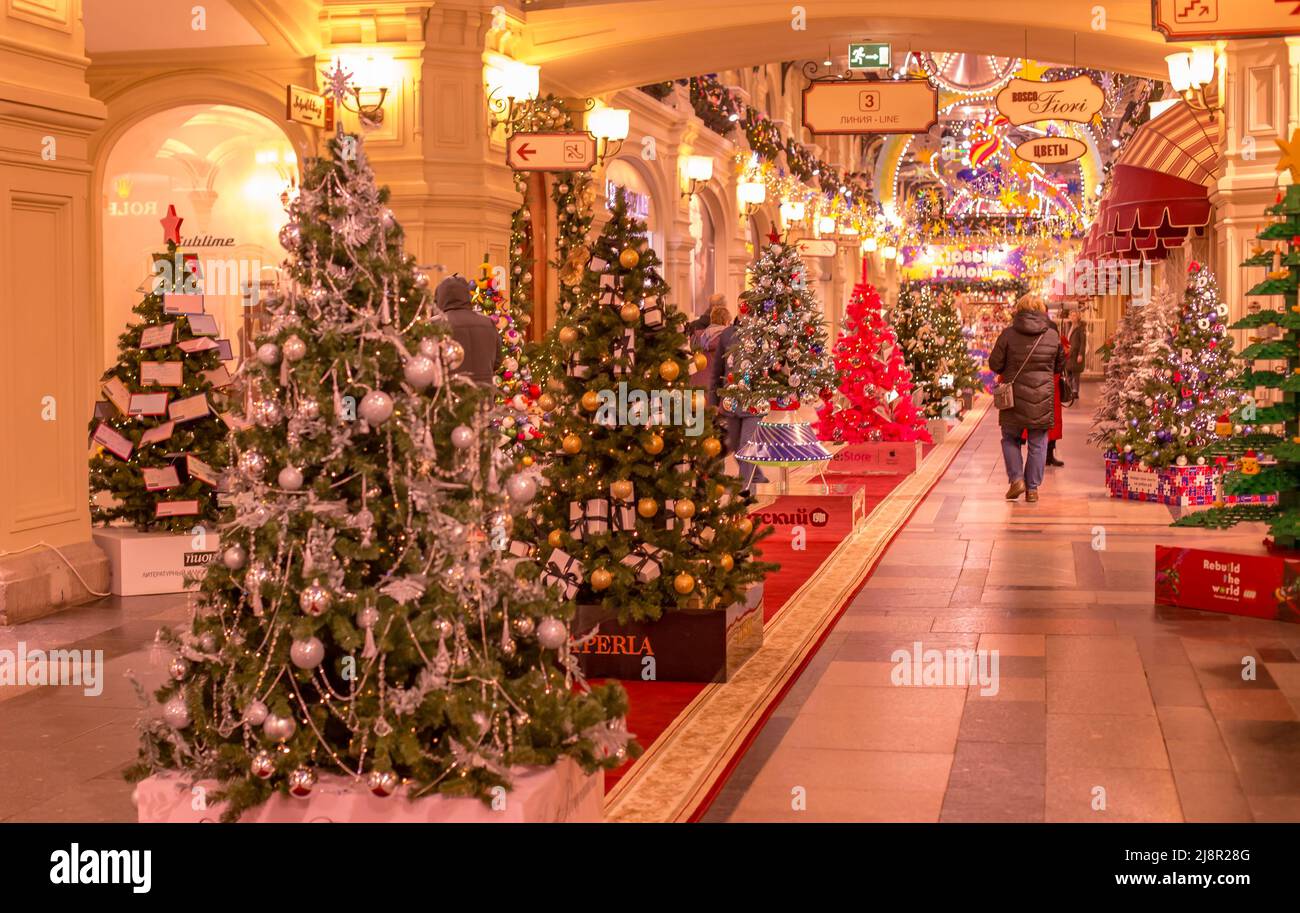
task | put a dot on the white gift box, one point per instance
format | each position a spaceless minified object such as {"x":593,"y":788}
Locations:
{"x":145,"y":564}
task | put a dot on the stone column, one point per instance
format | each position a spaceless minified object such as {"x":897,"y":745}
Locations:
{"x":47,"y":369}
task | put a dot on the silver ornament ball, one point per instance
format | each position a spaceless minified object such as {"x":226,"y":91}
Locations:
{"x":523,"y":626}
{"x":176,"y":713}
{"x":307,"y":654}
{"x":521,"y":488}
{"x":301,"y":781}
{"x":255,"y":713}
{"x":295,"y":349}
{"x":382,"y":783}
{"x":462,"y":436}
{"x":551,"y":633}
{"x":290,"y":236}
{"x":315,"y":600}
{"x":279,"y":728}
{"x":376,"y":407}
{"x":234,"y":557}
{"x":263,"y":765}
{"x":252,"y":463}
{"x":178,"y":668}
{"x":290,"y":478}
{"x":453,"y":352}
{"x":268,"y":353}
{"x":420,"y":371}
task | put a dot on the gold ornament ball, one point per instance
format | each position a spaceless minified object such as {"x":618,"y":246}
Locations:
{"x":568,"y":336}
{"x":654,"y":444}
{"x":683,"y":583}
{"x":591,"y":400}
{"x":712,"y":447}
{"x":555,"y":538}
{"x":601,"y":579}
{"x":701,"y":361}
{"x":670,"y":371}
{"x":628,"y":258}
{"x":527,"y":461}
{"x":571,"y":443}
{"x":647,"y":507}
{"x":621,"y":490}
{"x":719,"y":490}
{"x":726,"y":562}
{"x":630,"y":313}
{"x":546,"y":402}
{"x":746,"y":526}
{"x":684,"y":508}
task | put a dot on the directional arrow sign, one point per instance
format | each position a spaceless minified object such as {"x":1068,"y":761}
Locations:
{"x":816,"y":247}
{"x":1197,"y":20}
{"x":869,"y":55}
{"x":551,"y":152}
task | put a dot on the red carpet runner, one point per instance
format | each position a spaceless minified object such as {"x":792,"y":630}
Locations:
{"x":654,"y":705}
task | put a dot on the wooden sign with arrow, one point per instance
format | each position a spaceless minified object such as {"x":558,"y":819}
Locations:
{"x":551,"y":152}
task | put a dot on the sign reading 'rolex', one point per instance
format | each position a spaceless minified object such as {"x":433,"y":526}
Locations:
{"x":1026,"y":101}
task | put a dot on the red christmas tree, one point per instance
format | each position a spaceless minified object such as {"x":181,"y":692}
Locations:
{"x":875,"y":383}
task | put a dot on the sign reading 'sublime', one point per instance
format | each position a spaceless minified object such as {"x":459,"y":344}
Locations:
{"x":863,"y":106}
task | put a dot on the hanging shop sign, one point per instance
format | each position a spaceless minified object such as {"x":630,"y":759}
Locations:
{"x":869,"y":55}
{"x":846,"y":107}
{"x":817,"y":247}
{"x":551,"y":152}
{"x":961,"y":262}
{"x":303,"y":106}
{"x":1051,"y":150}
{"x":1025,"y":101}
{"x":1198,"y":20}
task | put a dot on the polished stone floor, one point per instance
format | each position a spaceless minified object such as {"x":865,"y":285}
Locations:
{"x":1103,"y":698}
{"x":1109,"y":708}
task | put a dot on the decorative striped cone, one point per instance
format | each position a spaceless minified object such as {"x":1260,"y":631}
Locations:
{"x":780,"y":440}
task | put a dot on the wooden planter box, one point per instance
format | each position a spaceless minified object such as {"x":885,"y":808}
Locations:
{"x":682,"y":646}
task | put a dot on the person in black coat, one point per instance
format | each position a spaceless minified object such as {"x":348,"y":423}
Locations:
{"x":476,"y":332}
{"x":1027,"y":355}
{"x":739,"y":424}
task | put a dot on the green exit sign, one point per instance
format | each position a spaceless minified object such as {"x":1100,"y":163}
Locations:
{"x":869,"y":55}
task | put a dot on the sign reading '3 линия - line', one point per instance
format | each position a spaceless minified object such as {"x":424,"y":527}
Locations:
{"x":870,"y":106}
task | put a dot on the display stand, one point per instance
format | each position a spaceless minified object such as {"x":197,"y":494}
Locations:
{"x":683,"y":645}
{"x":782,"y":441}
{"x":876,"y":458}
{"x":146,"y":564}
{"x":1179,"y":486}
{"x":560,"y":793}
{"x":1254,"y":584}
{"x":829,"y":512}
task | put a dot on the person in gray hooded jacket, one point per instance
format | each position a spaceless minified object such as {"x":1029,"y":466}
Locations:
{"x":1027,"y":355}
{"x":476,"y":333}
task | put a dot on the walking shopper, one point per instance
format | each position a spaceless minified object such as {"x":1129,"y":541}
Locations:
{"x":738,"y":423}
{"x":706,"y":341}
{"x":476,"y":333}
{"x":1026,"y":355}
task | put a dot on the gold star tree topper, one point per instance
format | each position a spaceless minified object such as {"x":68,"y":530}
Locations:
{"x":1290,"y":155}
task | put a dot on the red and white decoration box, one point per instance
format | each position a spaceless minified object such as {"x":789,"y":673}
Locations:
{"x":823,"y":514}
{"x":898,"y":458}
{"x":1183,"y":486}
{"x":1237,"y":583}
{"x":144,"y":564}
{"x":560,"y":793}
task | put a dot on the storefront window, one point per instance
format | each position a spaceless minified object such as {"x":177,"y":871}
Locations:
{"x":224,"y":169}
{"x":702,"y":254}
{"x":640,"y":204}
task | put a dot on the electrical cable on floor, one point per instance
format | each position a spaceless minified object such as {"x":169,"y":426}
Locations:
{"x":66,"y":560}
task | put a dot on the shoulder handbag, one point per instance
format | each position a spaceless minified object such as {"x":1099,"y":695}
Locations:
{"x":1004,"y":395}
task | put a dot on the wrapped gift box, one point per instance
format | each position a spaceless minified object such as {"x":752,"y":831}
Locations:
{"x":560,"y":793}
{"x":1182,"y":486}
{"x":683,"y":645}
{"x":823,"y":514}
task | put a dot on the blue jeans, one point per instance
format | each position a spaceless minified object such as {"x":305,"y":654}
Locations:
{"x":1031,"y":470}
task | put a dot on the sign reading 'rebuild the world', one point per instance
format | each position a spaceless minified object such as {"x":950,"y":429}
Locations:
{"x":869,"y":106}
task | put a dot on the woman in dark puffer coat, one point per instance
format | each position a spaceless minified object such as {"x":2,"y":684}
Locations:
{"x":1027,"y":355}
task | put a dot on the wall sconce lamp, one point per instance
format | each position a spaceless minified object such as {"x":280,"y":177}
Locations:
{"x":1191,"y":73}
{"x":608,"y":125}
{"x":792,"y":211}
{"x":751,"y":195}
{"x":826,"y":225}
{"x":698,"y":170}
{"x":370,"y":75}
{"x":869,"y":245}
{"x":508,"y":82}
{"x":889,"y":252}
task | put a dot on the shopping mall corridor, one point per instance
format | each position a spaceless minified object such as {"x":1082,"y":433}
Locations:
{"x":1104,"y":698}
{"x":1098,"y":689}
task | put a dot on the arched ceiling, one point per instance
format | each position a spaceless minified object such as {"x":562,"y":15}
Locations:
{"x":588,"y":47}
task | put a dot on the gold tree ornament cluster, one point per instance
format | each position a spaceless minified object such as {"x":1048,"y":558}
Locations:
{"x":637,"y":512}
{"x":159,"y":443}
{"x":369,"y":618}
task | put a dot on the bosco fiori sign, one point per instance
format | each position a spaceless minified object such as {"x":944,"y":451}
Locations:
{"x":1051,"y":150}
{"x":1025,"y":101}
{"x":988,"y":263}
{"x":870,"y":106}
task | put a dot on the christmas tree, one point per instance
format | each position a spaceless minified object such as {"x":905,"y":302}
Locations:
{"x":930,"y":331}
{"x":636,"y":497}
{"x":1141,"y":352}
{"x":366,"y":619}
{"x":159,"y":438}
{"x":1120,"y":356}
{"x":781,"y":357}
{"x":1181,"y":379}
{"x":1264,"y":433}
{"x":514,"y":379}
{"x":874,"y":380}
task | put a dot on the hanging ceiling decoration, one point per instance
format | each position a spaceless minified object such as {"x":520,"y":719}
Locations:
{"x":968,"y":73}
